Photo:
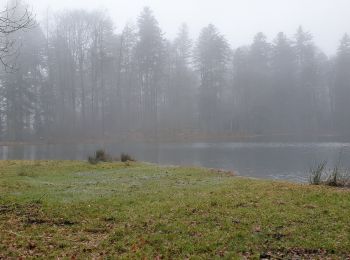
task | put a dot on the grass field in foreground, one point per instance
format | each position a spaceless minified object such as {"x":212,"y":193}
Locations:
{"x":72,"y":209}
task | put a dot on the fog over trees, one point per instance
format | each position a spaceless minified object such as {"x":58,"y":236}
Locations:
{"x":76,"y":77}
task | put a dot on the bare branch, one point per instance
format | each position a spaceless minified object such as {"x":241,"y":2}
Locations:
{"x":13,"y":19}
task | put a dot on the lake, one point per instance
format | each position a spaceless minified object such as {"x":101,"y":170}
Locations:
{"x":271,"y":160}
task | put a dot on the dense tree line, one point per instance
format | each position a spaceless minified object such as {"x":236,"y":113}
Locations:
{"x":78,"y":77}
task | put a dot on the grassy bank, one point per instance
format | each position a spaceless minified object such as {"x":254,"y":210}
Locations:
{"x":135,"y":210}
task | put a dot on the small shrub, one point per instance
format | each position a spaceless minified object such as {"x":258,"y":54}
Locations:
{"x":100,"y":156}
{"x":124,"y":157}
{"x":92,"y":160}
{"x":316,"y":173}
{"x":336,"y":177}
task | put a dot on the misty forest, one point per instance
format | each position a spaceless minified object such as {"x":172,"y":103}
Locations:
{"x":75,"y":76}
{"x":118,"y":141}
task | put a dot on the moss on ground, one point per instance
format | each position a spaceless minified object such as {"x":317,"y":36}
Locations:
{"x":72,"y":209}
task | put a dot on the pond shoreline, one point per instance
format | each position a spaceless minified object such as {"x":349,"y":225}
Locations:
{"x":184,"y":138}
{"x":74,"y":209}
{"x":264,"y":160}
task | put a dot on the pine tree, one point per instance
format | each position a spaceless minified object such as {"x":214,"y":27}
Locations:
{"x":180,"y":94}
{"x":150,"y":57}
{"x":283,"y":62}
{"x":211,"y":58}
{"x":306,"y":81}
{"x":342,"y":87}
{"x":260,"y":84}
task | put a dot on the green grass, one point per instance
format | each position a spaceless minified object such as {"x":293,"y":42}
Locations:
{"x":133,"y":210}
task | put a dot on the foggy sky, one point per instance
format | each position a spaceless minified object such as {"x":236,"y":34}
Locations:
{"x":238,"y":20}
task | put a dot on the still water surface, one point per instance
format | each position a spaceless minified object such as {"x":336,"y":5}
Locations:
{"x":288,"y":161}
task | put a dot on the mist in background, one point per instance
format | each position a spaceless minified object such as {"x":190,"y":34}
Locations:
{"x":125,"y":70}
{"x":237,"y":20}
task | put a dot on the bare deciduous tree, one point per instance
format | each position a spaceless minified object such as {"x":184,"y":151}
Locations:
{"x":13,"y":18}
